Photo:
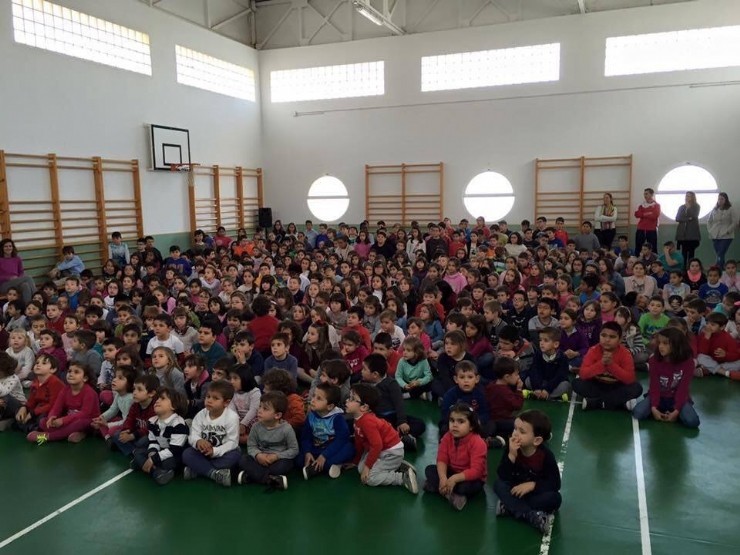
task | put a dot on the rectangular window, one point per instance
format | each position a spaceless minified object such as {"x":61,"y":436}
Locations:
{"x":323,"y":83}
{"x":58,"y":29}
{"x":211,"y":74}
{"x":673,"y":51}
{"x":491,"y":68}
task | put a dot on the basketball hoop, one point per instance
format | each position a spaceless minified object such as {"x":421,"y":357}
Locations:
{"x":186,"y":168}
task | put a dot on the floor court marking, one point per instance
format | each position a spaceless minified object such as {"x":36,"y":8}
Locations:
{"x":545,"y":545}
{"x":641,"y":494}
{"x":66,"y":507}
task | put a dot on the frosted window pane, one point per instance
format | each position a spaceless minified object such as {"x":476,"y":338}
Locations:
{"x":211,"y":74}
{"x":328,"y":82}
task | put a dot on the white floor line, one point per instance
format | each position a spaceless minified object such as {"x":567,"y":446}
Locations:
{"x":545,"y":545}
{"x":66,"y":507}
{"x":641,"y":495}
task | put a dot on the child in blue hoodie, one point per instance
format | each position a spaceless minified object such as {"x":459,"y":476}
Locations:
{"x":325,"y":442}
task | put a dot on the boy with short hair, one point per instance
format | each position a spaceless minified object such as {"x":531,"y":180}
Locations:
{"x":54,"y":317}
{"x":333,"y":371}
{"x":546,"y":307}
{"x":135,"y":429}
{"x":713,"y":290}
{"x":354,"y":352}
{"x":504,"y":395}
{"x":717,"y":350}
{"x":467,"y":389}
{"x":245,"y":353}
{"x":378,"y":447}
{"x":281,"y":357}
{"x":214,"y":437}
{"x":325,"y":442}
{"x":695,"y":311}
{"x":163,"y":336}
{"x":607,"y":376}
{"x":528,"y":484}
{"x":355,"y":315}
{"x":390,"y":404}
{"x":512,"y":345}
{"x":492,"y":312}
{"x":548,"y":376}
{"x":655,"y":319}
{"x":207,"y":346}
{"x":272,"y":445}
{"x":388,"y":325}
{"x":83,"y":342}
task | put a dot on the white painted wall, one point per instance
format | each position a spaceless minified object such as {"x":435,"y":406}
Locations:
{"x":659,"y":118}
{"x":55,"y":103}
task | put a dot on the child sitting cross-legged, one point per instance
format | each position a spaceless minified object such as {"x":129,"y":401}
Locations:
{"x":168,"y":437}
{"x":413,"y":373}
{"x":467,"y":389}
{"x":718,"y":352}
{"x":73,"y":411}
{"x":325,"y":442}
{"x":504,"y":396}
{"x":547,"y":378}
{"x":390,"y":405}
{"x":671,"y":371}
{"x":272,"y":445}
{"x":278,"y":379}
{"x":214,"y":438}
{"x":113,"y":418}
{"x":246,"y":399}
{"x":528,"y":484}
{"x":378,"y":447}
{"x":462,"y":459}
{"x":196,"y":383}
{"x":44,"y":390}
{"x":607,"y":377}
{"x":135,"y":429}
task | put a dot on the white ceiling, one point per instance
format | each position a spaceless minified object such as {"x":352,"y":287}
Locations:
{"x":286,"y":23}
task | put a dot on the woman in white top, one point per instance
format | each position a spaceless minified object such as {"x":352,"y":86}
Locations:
{"x":606,"y":216}
{"x":516,"y":245}
{"x":640,"y":282}
{"x":722,"y":225}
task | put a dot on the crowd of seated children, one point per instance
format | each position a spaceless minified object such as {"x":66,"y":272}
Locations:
{"x":241,"y":361}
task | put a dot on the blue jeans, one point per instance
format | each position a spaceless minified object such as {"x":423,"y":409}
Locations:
{"x":721,"y":246}
{"x":547,"y":501}
{"x":128,"y":448}
{"x":687,"y":415}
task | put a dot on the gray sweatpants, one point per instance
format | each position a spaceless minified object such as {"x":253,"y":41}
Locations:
{"x":385,"y":470}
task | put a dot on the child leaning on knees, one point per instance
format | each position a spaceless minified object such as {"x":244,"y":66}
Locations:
{"x":44,"y":390}
{"x":671,"y":371}
{"x":325,"y":442}
{"x":135,"y":429}
{"x":607,"y":377}
{"x":272,"y":446}
{"x":718,"y":351}
{"x":73,"y":411}
{"x":504,"y":395}
{"x":113,"y":418}
{"x":214,"y":438}
{"x":168,"y":437}
{"x":390,"y":404}
{"x":528,"y":484}
{"x":548,"y":375}
{"x":378,"y":447}
{"x":462,"y":459}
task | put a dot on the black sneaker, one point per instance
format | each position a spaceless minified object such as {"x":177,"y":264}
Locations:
{"x":496,"y":442}
{"x":309,"y":471}
{"x":501,"y":509}
{"x":409,"y":442}
{"x":539,"y":520}
{"x":242,"y":478}
{"x":278,"y":482}
{"x":163,"y":477}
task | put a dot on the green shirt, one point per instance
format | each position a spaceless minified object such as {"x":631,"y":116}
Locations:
{"x":649,"y":325}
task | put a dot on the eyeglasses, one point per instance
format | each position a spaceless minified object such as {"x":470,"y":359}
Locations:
{"x":353,"y":400}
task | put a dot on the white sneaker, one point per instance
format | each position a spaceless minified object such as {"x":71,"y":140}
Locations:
{"x":335,"y":471}
{"x":631,"y":404}
{"x":187,"y":473}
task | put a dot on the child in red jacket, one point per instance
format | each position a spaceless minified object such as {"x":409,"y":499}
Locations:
{"x":607,"y":377}
{"x":718,"y":352}
{"x":378,"y":447}
{"x":462,"y":459}
{"x":73,"y":411}
{"x":504,"y":396}
{"x":354,"y":322}
{"x":263,"y":326}
{"x":45,"y":389}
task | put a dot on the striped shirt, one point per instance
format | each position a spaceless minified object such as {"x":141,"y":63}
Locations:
{"x":167,"y":438}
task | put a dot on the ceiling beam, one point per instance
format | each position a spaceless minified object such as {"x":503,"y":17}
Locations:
{"x":365,"y":8}
{"x":223,"y":22}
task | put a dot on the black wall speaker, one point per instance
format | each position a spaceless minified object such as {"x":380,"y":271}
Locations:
{"x":264,"y":217}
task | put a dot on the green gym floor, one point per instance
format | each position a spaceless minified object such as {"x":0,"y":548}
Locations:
{"x":690,"y":498}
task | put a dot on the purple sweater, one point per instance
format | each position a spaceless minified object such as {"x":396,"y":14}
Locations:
{"x":10,"y":268}
{"x":576,"y":341}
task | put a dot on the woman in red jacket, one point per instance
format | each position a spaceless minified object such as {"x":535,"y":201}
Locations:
{"x":462,"y":459}
{"x":647,"y":215}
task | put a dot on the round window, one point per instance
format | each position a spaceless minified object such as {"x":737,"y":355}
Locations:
{"x":328,"y":199}
{"x":672,"y":189}
{"x":490,"y":195}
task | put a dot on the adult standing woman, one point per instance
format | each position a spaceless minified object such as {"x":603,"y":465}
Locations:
{"x":688,"y":235}
{"x":606,"y":215}
{"x":11,"y":271}
{"x":722,"y":224}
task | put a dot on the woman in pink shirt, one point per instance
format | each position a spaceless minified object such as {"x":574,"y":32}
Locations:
{"x":11,"y":271}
